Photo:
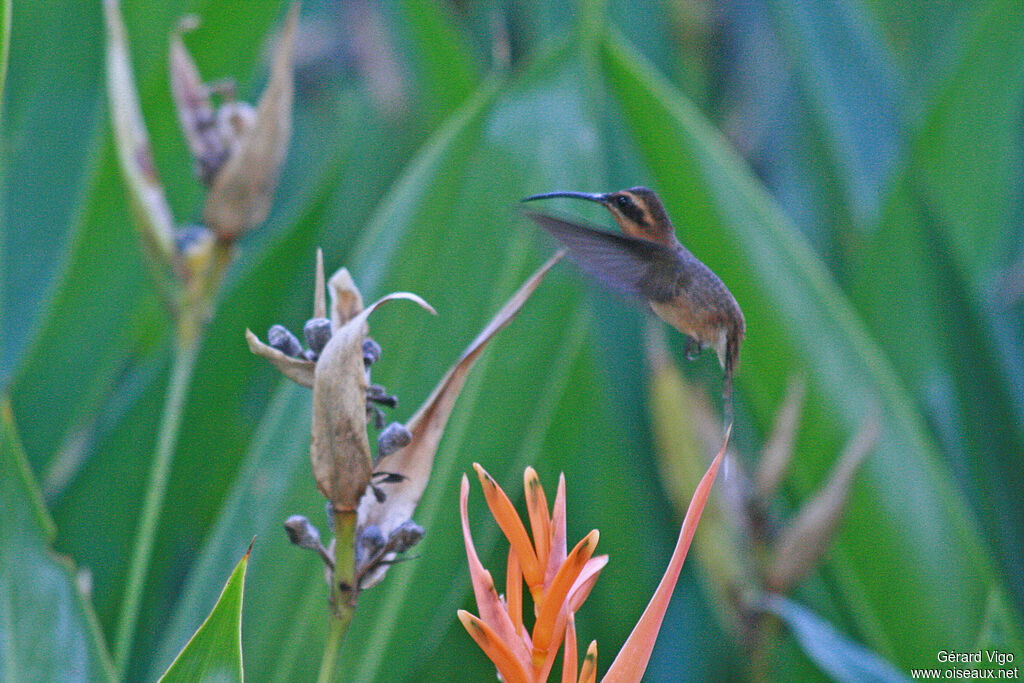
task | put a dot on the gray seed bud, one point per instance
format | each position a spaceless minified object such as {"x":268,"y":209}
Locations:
{"x":394,"y":437}
{"x":317,"y":332}
{"x":408,"y":534}
{"x":371,"y":351}
{"x":302,"y":533}
{"x":371,"y":541}
{"x":378,"y":394}
{"x":284,"y":341}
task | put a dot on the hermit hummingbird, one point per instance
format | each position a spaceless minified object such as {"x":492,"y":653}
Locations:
{"x":649,"y":261}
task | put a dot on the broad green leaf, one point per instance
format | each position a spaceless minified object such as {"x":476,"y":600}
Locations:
{"x":444,"y":62}
{"x":842,"y":659}
{"x":967,"y":158}
{"x":929,"y":275}
{"x":797,"y":320}
{"x":924,"y":36}
{"x":47,"y":628}
{"x":214,"y":652}
{"x":51,"y":113}
{"x":854,"y":94}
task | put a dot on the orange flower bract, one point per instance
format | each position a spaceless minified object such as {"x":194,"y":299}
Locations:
{"x":559,"y":582}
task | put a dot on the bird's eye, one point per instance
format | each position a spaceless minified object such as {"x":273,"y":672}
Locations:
{"x":622,"y":201}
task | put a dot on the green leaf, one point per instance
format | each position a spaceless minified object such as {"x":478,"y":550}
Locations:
{"x":968,"y":155}
{"x":924,"y":37}
{"x":214,"y":653}
{"x":854,"y":94}
{"x":798,"y":321}
{"x":47,"y":628}
{"x":838,"y":656}
{"x":445,"y":65}
{"x":933,"y":266}
{"x":51,"y":114}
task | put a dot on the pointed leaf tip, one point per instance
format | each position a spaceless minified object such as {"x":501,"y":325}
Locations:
{"x":215,"y":650}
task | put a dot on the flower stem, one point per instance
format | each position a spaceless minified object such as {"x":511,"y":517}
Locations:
{"x":343,"y":606}
{"x":340,"y":621}
{"x":186,"y":350}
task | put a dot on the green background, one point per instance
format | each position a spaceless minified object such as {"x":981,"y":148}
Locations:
{"x":852,"y":171}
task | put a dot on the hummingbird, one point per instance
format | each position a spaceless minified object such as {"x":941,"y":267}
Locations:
{"x":648,"y":261}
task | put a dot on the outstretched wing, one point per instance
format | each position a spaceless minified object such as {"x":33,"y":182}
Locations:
{"x":628,"y":265}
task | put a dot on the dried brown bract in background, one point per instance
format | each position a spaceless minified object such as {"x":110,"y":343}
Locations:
{"x":238,"y":150}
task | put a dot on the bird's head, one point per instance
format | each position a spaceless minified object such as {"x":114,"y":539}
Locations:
{"x":638,"y":212}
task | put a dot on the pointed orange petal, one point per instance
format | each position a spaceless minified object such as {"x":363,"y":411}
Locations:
{"x":514,"y":590}
{"x":631,"y":662}
{"x":492,"y":612}
{"x":588,"y":672}
{"x":569,"y":653}
{"x":540,"y":520}
{"x":544,"y":636}
{"x":505,"y":515}
{"x":581,"y":588}
{"x":495,"y":648}
{"x":585,"y":581}
{"x":557,"y":553}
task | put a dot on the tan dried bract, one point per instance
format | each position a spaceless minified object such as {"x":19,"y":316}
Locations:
{"x":339,"y":449}
{"x":238,"y":150}
{"x":243,"y":189}
{"x":146,"y":194}
{"x":196,"y":113}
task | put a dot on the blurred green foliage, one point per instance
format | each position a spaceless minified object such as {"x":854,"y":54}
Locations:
{"x":852,"y":170}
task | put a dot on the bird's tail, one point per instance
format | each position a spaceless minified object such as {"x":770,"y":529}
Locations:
{"x":732,"y":359}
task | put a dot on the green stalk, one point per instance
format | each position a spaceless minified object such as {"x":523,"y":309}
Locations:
{"x":343,"y":606}
{"x":186,"y":350}
{"x":339,"y":627}
{"x":197,"y":295}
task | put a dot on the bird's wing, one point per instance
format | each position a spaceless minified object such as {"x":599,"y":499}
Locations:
{"x":631,"y":266}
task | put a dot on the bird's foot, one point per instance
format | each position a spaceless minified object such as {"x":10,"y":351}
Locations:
{"x":693,"y":349}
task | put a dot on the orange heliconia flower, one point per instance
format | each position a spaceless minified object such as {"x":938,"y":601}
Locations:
{"x":559,"y":582}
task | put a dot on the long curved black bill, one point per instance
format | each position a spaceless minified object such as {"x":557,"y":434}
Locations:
{"x":593,"y":197}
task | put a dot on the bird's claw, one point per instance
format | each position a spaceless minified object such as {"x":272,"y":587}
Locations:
{"x":693,"y":349}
